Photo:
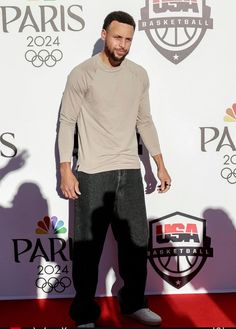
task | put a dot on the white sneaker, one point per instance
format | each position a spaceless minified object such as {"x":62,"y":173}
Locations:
{"x":87,"y":325}
{"x":146,"y":316}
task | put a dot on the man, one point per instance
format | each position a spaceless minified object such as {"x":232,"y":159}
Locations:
{"x":107,"y":96}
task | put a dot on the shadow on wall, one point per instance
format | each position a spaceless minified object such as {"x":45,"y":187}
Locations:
{"x":18,"y":224}
{"x":219,"y":272}
{"x":32,"y":246}
{"x":98,"y":47}
{"x":149,"y":177}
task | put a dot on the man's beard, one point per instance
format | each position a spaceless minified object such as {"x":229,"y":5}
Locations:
{"x":113,"y":58}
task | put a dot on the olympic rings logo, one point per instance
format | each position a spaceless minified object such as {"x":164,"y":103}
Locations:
{"x":229,"y":174}
{"x":43,"y":57}
{"x":53,"y":284}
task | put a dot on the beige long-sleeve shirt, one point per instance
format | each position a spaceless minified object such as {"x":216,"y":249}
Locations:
{"x":108,"y":104}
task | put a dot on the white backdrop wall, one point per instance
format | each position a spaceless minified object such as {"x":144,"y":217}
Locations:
{"x":191,"y":65}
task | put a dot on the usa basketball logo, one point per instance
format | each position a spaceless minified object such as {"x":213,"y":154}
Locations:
{"x":178,"y":247}
{"x":175,"y":27}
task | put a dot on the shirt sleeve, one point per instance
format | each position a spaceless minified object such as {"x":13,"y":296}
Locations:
{"x":70,"y":108}
{"x":145,"y":124}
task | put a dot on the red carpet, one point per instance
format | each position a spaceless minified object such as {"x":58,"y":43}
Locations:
{"x":179,"y":311}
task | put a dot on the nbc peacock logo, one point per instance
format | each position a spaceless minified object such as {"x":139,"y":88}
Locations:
{"x":50,"y":225}
{"x":230,"y":114}
{"x":175,"y":27}
{"x":223,"y":139}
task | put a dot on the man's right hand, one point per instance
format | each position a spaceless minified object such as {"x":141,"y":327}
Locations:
{"x":69,"y":183}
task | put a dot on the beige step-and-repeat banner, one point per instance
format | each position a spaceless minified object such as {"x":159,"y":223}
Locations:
{"x":188,"y":49}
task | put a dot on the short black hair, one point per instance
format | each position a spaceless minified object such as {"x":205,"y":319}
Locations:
{"x":119,"y":16}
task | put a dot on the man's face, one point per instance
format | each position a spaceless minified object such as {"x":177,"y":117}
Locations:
{"x":118,"y":38}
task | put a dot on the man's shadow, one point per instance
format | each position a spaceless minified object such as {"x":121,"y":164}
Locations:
{"x":30,"y":243}
{"x":19,"y":222}
{"x":219,"y":274}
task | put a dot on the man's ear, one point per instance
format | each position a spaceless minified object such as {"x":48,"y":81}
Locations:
{"x":103,"y":34}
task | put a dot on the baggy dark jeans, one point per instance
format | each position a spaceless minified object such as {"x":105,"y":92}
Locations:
{"x":113,"y":197}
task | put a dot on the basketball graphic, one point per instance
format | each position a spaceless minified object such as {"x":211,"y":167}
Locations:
{"x":175,"y":28}
{"x":178,"y":247}
{"x":177,"y":37}
{"x":178,"y":264}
